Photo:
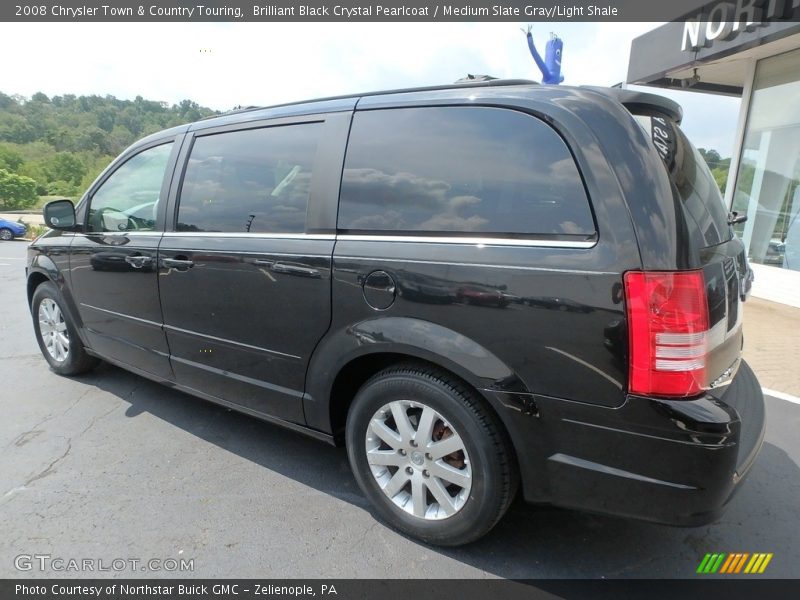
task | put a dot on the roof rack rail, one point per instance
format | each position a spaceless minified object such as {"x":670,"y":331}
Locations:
{"x":470,"y":78}
{"x":233,"y":111}
{"x":429,"y":88}
{"x":491,"y":82}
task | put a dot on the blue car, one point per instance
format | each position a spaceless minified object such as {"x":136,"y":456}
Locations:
{"x":11,"y":229}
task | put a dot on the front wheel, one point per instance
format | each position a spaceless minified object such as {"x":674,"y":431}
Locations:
{"x":430,"y":455}
{"x":6,"y":234}
{"x":58,"y":340}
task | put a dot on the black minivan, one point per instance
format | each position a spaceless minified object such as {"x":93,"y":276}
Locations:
{"x":476,"y":288}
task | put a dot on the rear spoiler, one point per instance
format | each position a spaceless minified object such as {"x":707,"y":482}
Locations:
{"x":642,"y":103}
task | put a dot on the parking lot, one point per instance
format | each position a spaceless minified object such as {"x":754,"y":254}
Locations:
{"x":111,"y":466}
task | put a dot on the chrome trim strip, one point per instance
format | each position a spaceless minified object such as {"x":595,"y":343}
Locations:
{"x":270,"y":236}
{"x":230,"y":342}
{"x":727,"y":375}
{"x":134,"y":233}
{"x":380,"y":259}
{"x":478,"y":241}
{"x":122,"y":315}
{"x":248,"y":252}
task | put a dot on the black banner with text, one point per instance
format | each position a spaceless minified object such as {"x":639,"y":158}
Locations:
{"x":407,"y":589}
{"x":750,"y":12}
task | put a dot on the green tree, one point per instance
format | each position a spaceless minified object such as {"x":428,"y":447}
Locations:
{"x":15,"y":128}
{"x":721,"y":177}
{"x":106,"y":117}
{"x":16,"y":191}
{"x":6,"y":101}
{"x":64,"y":142}
{"x":10,"y":159}
{"x":712,"y":157}
{"x":189,"y":111}
{"x":67,"y":167}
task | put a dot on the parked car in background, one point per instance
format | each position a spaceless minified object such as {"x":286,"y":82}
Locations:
{"x":479,"y":289}
{"x":11,"y":229}
{"x":776,"y":252}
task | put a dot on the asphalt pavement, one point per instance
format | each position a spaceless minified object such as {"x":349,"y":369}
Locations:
{"x":110,"y":466}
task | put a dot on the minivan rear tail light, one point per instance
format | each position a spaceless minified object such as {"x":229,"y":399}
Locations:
{"x":667,"y":332}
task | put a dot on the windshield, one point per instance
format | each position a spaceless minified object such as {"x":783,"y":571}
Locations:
{"x":691,"y":179}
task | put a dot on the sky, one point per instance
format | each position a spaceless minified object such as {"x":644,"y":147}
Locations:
{"x":223,"y":65}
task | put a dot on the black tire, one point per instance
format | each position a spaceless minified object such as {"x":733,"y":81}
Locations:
{"x":493,"y":466}
{"x":6,"y":234}
{"x":77,"y":361}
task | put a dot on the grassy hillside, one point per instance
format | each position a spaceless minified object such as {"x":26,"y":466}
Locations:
{"x":57,"y":146}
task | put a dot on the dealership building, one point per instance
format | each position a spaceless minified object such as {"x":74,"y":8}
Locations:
{"x":761,"y":64}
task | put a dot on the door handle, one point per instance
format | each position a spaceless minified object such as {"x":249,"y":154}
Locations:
{"x":288,"y":269}
{"x":179,"y":264}
{"x":137,"y":262}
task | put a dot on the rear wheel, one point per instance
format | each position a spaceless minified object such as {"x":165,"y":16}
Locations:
{"x":430,"y":455}
{"x":6,"y":234}
{"x":56,"y":335}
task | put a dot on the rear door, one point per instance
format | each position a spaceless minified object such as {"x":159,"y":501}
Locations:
{"x":709,"y":234}
{"x":245,"y":270}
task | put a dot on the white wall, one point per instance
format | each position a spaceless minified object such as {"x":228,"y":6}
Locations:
{"x":776,"y":284}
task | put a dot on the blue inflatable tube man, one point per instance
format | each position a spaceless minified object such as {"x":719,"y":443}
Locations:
{"x":551,"y":65}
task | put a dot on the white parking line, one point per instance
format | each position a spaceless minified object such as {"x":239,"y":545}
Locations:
{"x":781,"y":395}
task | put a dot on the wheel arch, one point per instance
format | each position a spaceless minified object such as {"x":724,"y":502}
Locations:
{"x":35,"y":279}
{"x":346,"y":359}
{"x":43,"y":270}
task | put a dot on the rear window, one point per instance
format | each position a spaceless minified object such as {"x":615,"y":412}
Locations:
{"x":460,"y":170}
{"x":692,"y":182}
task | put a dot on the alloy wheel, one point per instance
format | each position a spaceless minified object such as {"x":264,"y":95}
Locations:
{"x":418,"y":460}
{"x":53,"y":330}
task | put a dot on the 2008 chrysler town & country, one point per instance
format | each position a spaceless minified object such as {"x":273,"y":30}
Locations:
{"x":475,"y":287}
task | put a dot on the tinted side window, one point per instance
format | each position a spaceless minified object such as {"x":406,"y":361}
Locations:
{"x":256,"y":180}
{"x":128,"y":199}
{"x":460,"y":169}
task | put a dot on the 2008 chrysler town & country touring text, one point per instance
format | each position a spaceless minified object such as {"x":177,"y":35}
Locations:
{"x":474,"y":287}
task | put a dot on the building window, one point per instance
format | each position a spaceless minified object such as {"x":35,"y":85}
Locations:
{"x":768,"y":183}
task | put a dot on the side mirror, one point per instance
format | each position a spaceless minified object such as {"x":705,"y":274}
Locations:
{"x":60,"y":214}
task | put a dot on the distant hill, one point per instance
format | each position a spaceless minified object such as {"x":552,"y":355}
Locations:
{"x":62,"y":143}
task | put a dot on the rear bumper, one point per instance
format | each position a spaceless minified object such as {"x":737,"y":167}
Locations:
{"x":674,"y":462}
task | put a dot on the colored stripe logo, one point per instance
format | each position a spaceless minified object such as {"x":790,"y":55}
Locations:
{"x":733,"y":563}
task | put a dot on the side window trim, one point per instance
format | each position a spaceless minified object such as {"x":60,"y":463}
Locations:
{"x":530,"y":241}
{"x":86,"y":204}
